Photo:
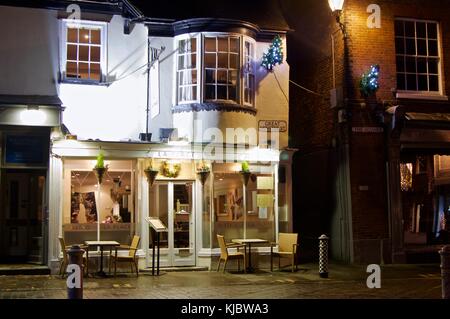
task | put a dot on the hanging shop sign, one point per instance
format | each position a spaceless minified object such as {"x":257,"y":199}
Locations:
{"x":273,"y":124}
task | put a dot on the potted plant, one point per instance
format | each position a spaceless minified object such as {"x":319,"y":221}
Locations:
{"x":151,"y":173}
{"x":203,"y":172}
{"x":100,"y":169}
{"x":245,"y":172}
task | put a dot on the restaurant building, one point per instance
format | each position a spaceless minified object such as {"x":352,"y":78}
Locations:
{"x":204,"y":101}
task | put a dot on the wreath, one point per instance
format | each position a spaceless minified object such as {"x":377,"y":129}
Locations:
{"x":170,"y":171}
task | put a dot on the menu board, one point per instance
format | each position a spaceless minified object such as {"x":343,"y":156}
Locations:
{"x":156,"y":224}
{"x":264,"y":182}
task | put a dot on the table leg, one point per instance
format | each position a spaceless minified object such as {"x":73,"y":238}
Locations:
{"x":153,"y":252}
{"x":101,"y":272}
{"x":250,"y":268}
{"x":157,"y":243}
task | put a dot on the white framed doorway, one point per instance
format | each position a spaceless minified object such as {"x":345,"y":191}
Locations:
{"x":173,"y":202}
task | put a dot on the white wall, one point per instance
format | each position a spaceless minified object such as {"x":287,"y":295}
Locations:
{"x":272,"y":90}
{"x":28,"y":51}
{"x":117,"y":111}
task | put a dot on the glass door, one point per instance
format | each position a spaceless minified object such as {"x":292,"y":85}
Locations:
{"x":172,"y":203}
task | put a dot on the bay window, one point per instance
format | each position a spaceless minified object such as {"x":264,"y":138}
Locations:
{"x":225,"y":69}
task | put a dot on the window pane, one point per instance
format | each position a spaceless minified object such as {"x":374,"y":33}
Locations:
{"x":84,"y":35}
{"x":421,"y":65}
{"x":423,"y":83}
{"x":401,"y":83}
{"x":210,"y":92}
{"x":95,"y":71}
{"x":222,"y":60}
{"x":193,"y":45}
{"x":400,"y":64}
{"x":232,"y":77}
{"x":421,"y":47}
{"x":411,"y":46}
{"x":194,"y":76}
{"x":399,"y":28}
{"x":411,"y":82}
{"x":83,"y":69}
{"x":210,"y":44}
{"x":210,"y":76}
{"x":222,"y":44}
{"x":71,"y":70}
{"x":210,"y":60}
{"x":400,"y":45}
{"x":221,"y":76}
{"x":182,"y":46}
{"x":433,"y":66}
{"x":221,"y":92}
{"x":421,"y":29}
{"x":181,"y":62}
{"x":84,"y":53}
{"x":411,"y":65}
{"x":434,"y":83}
{"x":190,"y":93}
{"x":72,"y":35}
{"x":71,"y":52}
{"x":432,"y":48}
{"x":432,"y":31}
{"x":95,"y":54}
{"x":409,"y":29}
{"x":95,"y":37}
{"x":234,"y":45}
{"x":234,"y":61}
{"x":232,"y":93}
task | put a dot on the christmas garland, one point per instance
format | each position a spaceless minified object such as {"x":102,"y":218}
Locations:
{"x":170,"y":171}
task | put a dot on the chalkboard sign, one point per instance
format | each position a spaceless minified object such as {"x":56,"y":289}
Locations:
{"x":26,"y":149}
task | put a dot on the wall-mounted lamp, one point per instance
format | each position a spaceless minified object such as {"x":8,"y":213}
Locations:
{"x":336,"y":7}
{"x":33,"y":116}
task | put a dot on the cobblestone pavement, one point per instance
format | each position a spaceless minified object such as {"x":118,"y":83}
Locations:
{"x":345,"y":282}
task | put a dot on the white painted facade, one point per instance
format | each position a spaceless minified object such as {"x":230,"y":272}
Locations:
{"x":111,"y":115}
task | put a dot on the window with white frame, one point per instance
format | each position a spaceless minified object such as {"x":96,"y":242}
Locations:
{"x":249,"y":73}
{"x":187,"y":70}
{"x":83,"y":51}
{"x":223,"y":57}
{"x":417,"y":55}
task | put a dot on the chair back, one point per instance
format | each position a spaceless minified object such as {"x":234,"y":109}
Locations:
{"x":223,"y":246}
{"x":63,"y":247}
{"x":134,"y":246}
{"x":286,"y":241}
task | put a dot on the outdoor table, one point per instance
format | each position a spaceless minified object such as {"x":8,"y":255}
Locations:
{"x":249,"y":243}
{"x":101,"y":244}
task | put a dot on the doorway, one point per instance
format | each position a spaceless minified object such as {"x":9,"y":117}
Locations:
{"x":173,"y":204}
{"x":22,"y":201}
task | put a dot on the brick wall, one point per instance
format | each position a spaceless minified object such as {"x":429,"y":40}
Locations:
{"x":315,"y":123}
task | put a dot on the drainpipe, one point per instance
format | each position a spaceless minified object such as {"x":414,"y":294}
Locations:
{"x":148,"y":89}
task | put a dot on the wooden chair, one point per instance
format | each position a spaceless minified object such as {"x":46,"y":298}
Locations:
{"x":287,"y":247}
{"x":225,"y":255}
{"x":130,"y":257}
{"x":65,"y":257}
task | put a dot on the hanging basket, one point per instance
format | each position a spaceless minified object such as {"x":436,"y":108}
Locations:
{"x":99,"y":173}
{"x":151,"y":175}
{"x":203,"y":175}
{"x":245,"y":177}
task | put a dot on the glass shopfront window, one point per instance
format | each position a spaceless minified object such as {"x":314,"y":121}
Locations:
{"x":93,"y":211}
{"x":229,"y":208}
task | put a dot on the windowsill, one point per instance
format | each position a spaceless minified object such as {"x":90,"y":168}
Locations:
{"x":83,"y":82}
{"x":421,"y":96}
{"x":213,"y":106}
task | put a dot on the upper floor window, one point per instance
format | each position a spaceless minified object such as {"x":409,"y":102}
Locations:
{"x":221,"y":58}
{"x":225,"y":70}
{"x":417,"y":55}
{"x":187,"y":70}
{"x":83,"y":51}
